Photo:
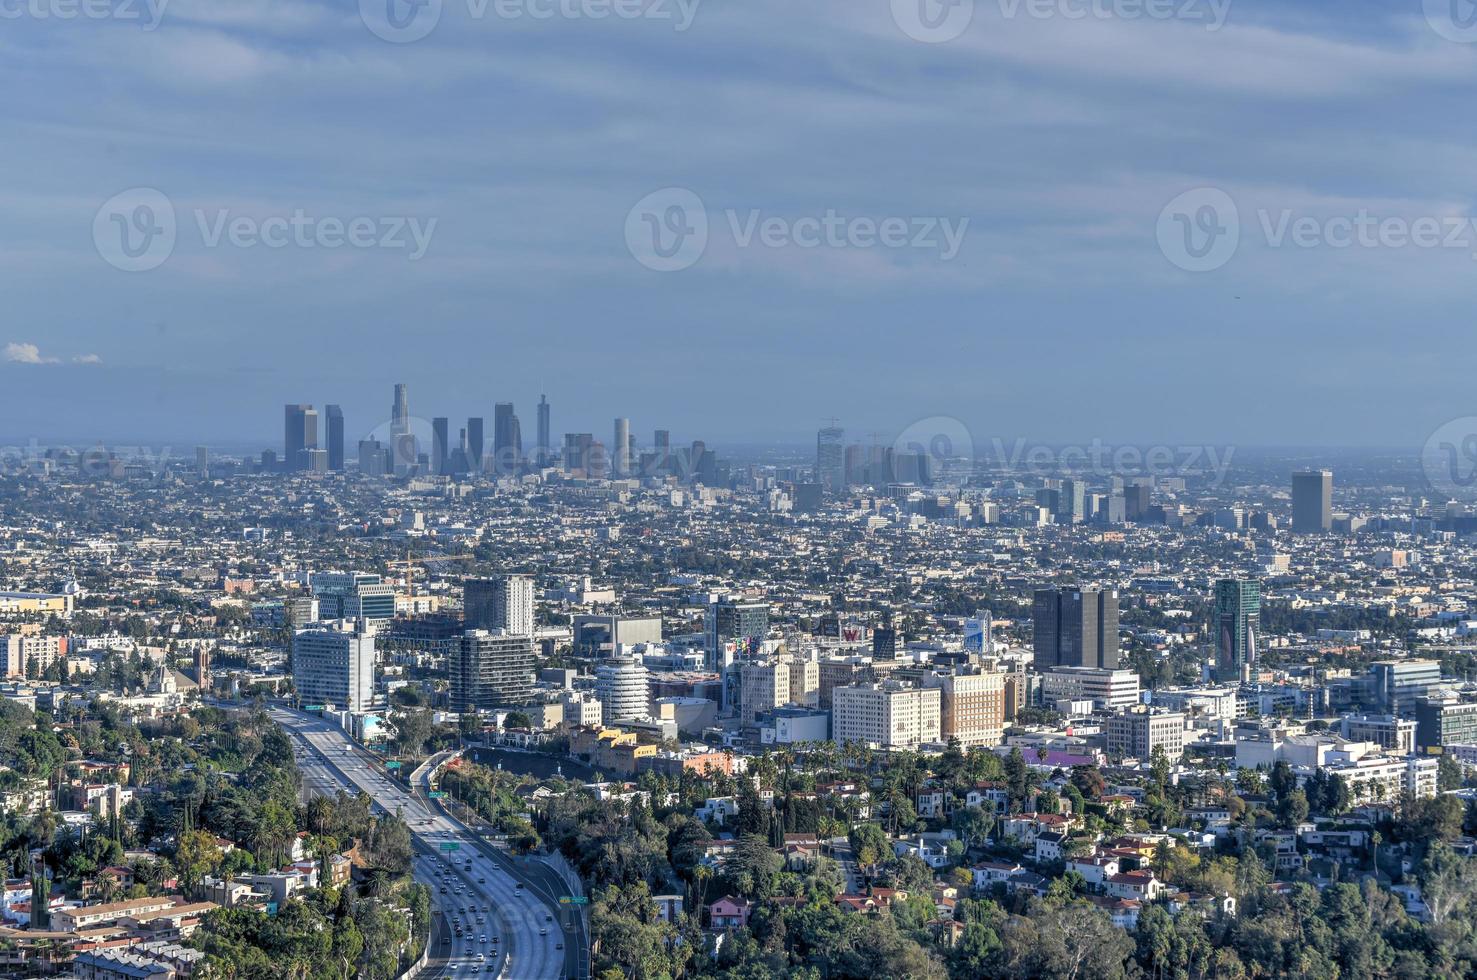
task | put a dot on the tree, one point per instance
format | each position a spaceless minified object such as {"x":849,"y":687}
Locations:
{"x":1292,"y":809}
{"x":869,"y":844}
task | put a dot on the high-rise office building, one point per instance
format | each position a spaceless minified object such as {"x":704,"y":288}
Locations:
{"x":202,"y":460}
{"x":620,"y":449}
{"x":742,"y":623}
{"x":334,"y":433}
{"x":1136,"y":500}
{"x":300,"y":432}
{"x":577,"y":450}
{"x":1312,"y":501}
{"x":507,"y":439}
{"x":884,"y":640}
{"x":1072,"y":502}
{"x":404,"y":454}
{"x":374,"y":458}
{"x":504,"y":602}
{"x":830,"y":458}
{"x":440,"y":445}
{"x":353,"y":595}
{"x":545,"y":447}
{"x":1075,"y":628}
{"x":476,"y":442}
{"x":622,"y":688}
{"x":1237,"y":628}
{"x":491,"y":669}
{"x":333,"y":664}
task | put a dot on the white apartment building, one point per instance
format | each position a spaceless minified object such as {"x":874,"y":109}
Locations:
{"x":1136,"y":733}
{"x":889,"y":715}
{"x":29,"y":649}
{"x":333,"y":664}
{"x":1110,"y":689}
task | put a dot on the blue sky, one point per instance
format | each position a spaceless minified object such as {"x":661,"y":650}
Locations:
{"x":1059,"y":141}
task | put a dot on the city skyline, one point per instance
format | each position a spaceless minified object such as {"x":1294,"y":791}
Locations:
{"x":530,"y":254}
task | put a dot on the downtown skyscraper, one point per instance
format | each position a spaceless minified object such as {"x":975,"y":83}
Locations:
{"x":507,"y":439}
{"x":300,"y":434}
{"x":544,"y":445}
{"x":403,"y":451}
{"x":334,"y":436}
{"x":830,"y":458}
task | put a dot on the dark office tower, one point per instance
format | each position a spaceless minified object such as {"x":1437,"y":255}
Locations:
{"x":300,"y":432}
{"x":475,"y":444}
{"x":507,"y":442}
{"x":1135,"y":501}
{"x":830,"y":459}
{"x":620,"y":449}
{"x":1238,"y":619}
{"x":1075,"y":628}
{"x":334,"y":431}
{"x":661,"y":454}
{"x":884,"y":640}
{"x":544,"y":446}
{"x":1312,"y":501}
{"x":578,"y":447}
{"x":440,"y":448}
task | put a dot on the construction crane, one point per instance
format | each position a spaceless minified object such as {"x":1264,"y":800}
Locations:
{"x":410,"y":561}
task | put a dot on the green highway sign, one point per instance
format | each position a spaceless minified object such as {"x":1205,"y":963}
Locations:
{"x":573,"y":900}
{"x":436,"y":794}
{"x":451,"y":846}
{"x":392,"y":764}
{"x":312,"y":707}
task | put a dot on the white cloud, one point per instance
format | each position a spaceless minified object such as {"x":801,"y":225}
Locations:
{"x":87,"y":359}
{"x":26,"y":354}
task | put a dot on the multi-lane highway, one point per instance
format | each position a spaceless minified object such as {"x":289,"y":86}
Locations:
{"x":509,"y":928}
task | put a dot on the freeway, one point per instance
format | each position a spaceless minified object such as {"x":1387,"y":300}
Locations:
{"x":545,"y":882}
{"x":509,"y":928}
